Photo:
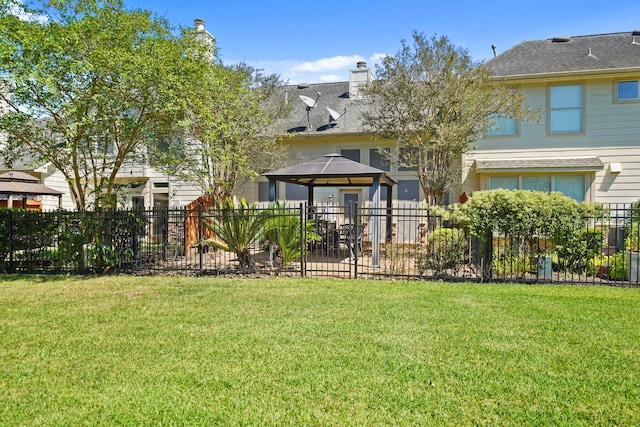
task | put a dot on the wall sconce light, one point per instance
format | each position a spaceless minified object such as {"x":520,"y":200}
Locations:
{"x":331,"y":198}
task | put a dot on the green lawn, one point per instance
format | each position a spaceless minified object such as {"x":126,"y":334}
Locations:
{"x":209,"y":351}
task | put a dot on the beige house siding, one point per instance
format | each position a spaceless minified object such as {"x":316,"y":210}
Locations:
{"x":307,"y":147}
{"x":612,"y":133}
{"x":54,"y":179}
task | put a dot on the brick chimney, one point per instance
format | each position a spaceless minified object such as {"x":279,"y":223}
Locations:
{"x":357,"y":78}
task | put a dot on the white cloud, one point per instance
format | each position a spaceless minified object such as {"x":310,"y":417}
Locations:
{"x":376,"y":57}
{"x":17,"y":10}
{"x":329,"y":78}
{"x":324,"y":70}
{"x":329,"y":64}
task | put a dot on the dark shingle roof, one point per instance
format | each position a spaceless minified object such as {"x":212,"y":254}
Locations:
{"x":332,"y":169}
{"x":614,"y":51}
{"x":557,"y":163}
{"x":332,"y":95}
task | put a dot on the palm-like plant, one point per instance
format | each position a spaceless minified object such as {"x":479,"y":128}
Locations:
{"x":284,"y":229}
{"x":237,"y":229}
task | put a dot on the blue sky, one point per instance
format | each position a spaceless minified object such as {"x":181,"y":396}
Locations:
{"x":320,"y":41}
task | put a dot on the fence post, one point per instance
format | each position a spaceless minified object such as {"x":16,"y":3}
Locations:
{"x":200,"y":237}
{"x":11,"y":267}
{"x":353,"y":240}
{"x":487,"y":256}
{"x":303,"y":240}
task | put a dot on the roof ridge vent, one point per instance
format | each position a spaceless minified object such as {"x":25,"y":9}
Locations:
{"x":561,"y":39}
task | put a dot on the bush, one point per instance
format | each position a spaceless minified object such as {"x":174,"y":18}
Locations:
{"x":631,"y":242}
{"x":509,"y":264}
{"x":611,"y":267}
{"x":34,"y":234}
{"x":522,"y":216}
{"x":577,"y":249}
{"x":30,"y":231}
{"x":446,"y":250}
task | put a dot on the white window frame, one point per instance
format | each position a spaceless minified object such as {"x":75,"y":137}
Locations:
{"x":616,"y":88}
{"x":568,"y":108}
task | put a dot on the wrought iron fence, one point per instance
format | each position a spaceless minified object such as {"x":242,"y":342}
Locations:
{"x":325,"y":240}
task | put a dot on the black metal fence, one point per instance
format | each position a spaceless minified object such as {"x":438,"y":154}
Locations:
{"x":328,"y":240}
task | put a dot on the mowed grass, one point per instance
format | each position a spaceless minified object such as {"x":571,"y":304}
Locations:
{"x":213,"y":351}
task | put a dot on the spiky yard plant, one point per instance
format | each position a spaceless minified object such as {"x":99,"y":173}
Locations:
{"x":288,"y":232}
{"x":236,"y":229}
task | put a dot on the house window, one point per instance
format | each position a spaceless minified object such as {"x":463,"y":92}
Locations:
{"x":565,"y":109}
{"x":570,"y":185}
{"x":408,"y":190}
{"x":383,"y":193}
{"x":506,"y":182}
{"x":379,"y":160}
{"x":407,"y":159}
{"x":263,"y":191}
{"x":502,"y":126}
{"x":295,"y":192}
{"x":163,"y":143}
{"x":627,"y":90}
{"x":536,"y":183}
{"x":105,"y":145}
{"x":351,"y":154}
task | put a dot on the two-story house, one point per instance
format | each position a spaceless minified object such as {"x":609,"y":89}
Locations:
{"x":326,"y":119}
{"x":587,"y":141}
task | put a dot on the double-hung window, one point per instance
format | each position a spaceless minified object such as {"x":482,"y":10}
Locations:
{"x":566,"y":110}
{"x":502,"y":126}
{"x":380,"y":160}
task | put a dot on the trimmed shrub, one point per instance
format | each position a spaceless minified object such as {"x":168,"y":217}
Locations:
{"x":446,"y":250}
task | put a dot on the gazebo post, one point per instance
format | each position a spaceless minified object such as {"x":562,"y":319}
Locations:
{"x":310,"y":196}
{"x":389,"y":217}
{"x":374,"y":224}
{"x":272,"y":190}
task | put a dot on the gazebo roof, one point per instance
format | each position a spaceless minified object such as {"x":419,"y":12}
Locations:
{"x":18,"y":176}
{"x":20,"y":183}
{"x":331,"y":170}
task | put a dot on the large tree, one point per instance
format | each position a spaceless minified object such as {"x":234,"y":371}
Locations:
{"x":435,"y":101}
{"x":233,"y":130}
{"x":89,"y":84}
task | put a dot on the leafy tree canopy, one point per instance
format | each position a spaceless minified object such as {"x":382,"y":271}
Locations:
{"x":435,"y":102}
{"x":233,"y":112}
{"x":88,"y":84}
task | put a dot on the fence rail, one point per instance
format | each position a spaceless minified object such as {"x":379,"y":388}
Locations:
{"x":333,"y":241}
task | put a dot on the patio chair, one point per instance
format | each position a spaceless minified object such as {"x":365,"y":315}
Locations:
{"x":351,"y":237}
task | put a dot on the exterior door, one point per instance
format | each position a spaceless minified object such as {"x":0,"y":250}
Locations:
{"x":350,"y":200}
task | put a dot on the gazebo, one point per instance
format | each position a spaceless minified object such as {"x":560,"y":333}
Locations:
{"x":334,"y":170}
{"x":16,"y":183}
